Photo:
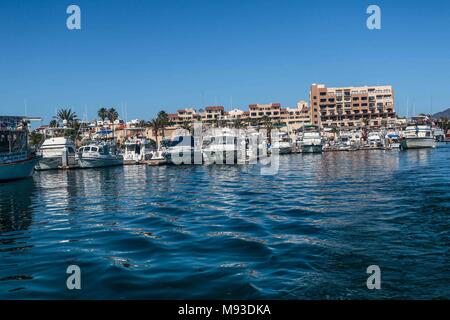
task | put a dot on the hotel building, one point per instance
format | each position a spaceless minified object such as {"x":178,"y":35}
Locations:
{"x":293,"y":118}
{"x":351,"y":106}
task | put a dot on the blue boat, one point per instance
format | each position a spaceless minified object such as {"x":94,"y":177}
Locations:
{"x":16,"y":159}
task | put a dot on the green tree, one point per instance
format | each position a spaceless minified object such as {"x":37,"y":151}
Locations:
{"x":155,"y":125}
{"x":266,"y":122}
{"x":112,"y":115}
{"x":36,"y":139}
{"x":67,"y":117}
{"x":102,"y":114}
{"x":238,"y":123}
{"x":163,"y":118}
{"x":186,"y":125}
{"x":54,"y":124}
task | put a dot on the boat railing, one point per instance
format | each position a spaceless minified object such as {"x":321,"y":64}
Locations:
{"x":13,"y":157}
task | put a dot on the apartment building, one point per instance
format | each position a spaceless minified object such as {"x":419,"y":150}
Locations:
{"x":184,"y":115}
{"x":351,"y":106}
{"x":295,"y":118}
{"x":291,"y":117}
{"x":213,"y":113}
{"x":272,"y":110}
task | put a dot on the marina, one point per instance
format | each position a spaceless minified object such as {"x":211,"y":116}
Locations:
{"x":156,"y":232}
{"x":224,"y":159}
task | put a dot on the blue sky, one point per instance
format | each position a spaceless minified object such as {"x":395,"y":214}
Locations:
{"x":153,"y":55}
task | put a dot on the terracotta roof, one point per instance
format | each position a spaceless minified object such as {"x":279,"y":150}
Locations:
{"x":214,"y":108}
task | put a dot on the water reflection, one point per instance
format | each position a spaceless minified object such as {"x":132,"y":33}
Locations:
{"x":16,"y":212}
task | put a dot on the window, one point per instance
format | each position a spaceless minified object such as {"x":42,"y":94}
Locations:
{"x":4,"y":143}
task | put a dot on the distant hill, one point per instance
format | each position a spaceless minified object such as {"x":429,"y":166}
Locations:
{"x":442,"y":114}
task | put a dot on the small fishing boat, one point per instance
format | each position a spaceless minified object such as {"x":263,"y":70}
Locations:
{"x":393,"y":141}
{"x":98,"y":155}
{"x":439,"y":134}
{"x":57,"y":153}
{"x":17,"y":161}
{"x":374,"y":140}
{"x":157,"y":159}
{"x":282,"y":143}
{"x":137,"y":151}
{"x":311,"y":140}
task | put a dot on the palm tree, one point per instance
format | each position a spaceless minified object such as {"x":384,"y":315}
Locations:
{"x":142,"y":124}
{"x":164,"y":121}
{"x":155,"y":125}
{"x":112,"y":115}
{"x":66,"y":116}
{"x":237,"y":123}
{"x":186,"y":125}
{"x":102,"y":114}
{"x":266,"y":122}
{"x":54,"y":124}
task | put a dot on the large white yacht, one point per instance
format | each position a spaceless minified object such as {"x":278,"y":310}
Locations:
{"x":418,"y":136}
{"x":182,"y":150}
{"x":16,"y":159}
{"x":311,"y":140}
{"x":57,"y":153}
{"x":223,"y":147}
{"x":97,"y":155}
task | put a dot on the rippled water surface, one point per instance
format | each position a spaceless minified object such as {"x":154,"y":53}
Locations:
{"x":308,"y":232}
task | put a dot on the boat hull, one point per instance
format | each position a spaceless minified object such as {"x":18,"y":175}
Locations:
{"x":54,"y":163}
{"x":99,"y":162}
{"x":17,"y":170}
{"x":220,"y":157}
{"x":312,"y":148}
{"x":418,"y":143}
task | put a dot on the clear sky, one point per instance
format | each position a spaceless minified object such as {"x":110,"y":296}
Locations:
{"x":153,"y":55}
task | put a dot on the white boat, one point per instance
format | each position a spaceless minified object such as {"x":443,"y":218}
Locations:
{"x":182,"y":150}
{"x":393,"y":141}
{"x":222,"y":147}
{"x":256,"y":146}
{"x":418,"y":136}
{"x":58,"y":152}
{"x":311,"y":140}
{"x":282,"y":143}
{"x":374,"y":140}
{"x":439,"y":135}
{"x":98,"y":155}
{"x":137,"y":151}
{"x":157,"y":159}
{"x":16,"y":159}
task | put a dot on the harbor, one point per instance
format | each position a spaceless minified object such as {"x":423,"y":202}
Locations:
{"x":224,"y":159}
{"x":74,"y":147}
{"x":151,"y":215}
{"x":188,"y":232}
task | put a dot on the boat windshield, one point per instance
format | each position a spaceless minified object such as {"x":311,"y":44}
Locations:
{"x":182,"y":141}
{"x":224,"y":140}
